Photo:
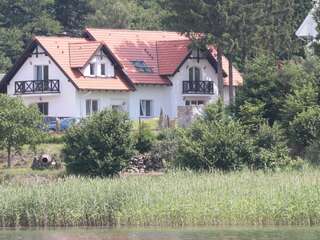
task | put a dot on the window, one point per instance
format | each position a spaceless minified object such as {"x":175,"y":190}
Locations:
{"x":194,"y":74}
{"x":145,"y":108}
{"x":92,"y":69}
{"x":103,"y":69}
{"x":141,"y":66}
{"x":41,"y":72}
{"x":194,"y":102}
{"x":44,"y":108}
{"x":91,"y":107}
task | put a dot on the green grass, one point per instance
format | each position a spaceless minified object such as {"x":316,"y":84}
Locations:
{"x":152,"y":123}
{"x":174,"y":199}
{"x":24,"y":159}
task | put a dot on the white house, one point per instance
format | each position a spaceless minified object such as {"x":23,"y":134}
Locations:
{"x":141,"y":72}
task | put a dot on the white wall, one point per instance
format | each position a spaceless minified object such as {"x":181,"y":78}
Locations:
{"x":105,"y":100}
{"x":160,"y":96}
{"x":61,"y":104}
{"x":207,"y":74}
{"x":98,"y":61}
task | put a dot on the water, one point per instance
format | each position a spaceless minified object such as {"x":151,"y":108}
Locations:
{"x":164,"y":234}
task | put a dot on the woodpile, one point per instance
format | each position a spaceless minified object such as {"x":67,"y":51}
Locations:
{"x":142,"y":163}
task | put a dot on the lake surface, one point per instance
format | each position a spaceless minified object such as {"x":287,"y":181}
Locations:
{"x":164,"y":234}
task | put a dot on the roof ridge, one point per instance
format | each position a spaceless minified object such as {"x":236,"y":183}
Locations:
{"x":130,"y":30}
{"x":57,"y":36}
{"x":177,"y":40}
{"x":87,"y":42}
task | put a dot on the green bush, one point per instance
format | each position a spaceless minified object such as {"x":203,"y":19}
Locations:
{"x":219,"y":144}
{"x":165,"y":147}
{"x":270,"y":148}
{"x":144,"y":138}
{"x":217,"y":141}
{"x":304,"y":129}
{"x":100,"y":145}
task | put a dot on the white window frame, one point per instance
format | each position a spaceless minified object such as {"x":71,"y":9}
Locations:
{"x":143,"y":108}
{"x":90,"y":112}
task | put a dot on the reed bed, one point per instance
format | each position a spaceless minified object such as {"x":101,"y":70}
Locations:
{"x":174,"y":199}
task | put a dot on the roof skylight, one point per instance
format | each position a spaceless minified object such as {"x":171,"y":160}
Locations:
{"x":142,"y":67}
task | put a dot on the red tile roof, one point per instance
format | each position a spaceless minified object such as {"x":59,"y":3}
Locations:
{"x":59,"y":49}
{"x":131,"y":45}
{"x":171,"y":54}
{"x":162,"y":51}
{"x":81,"y":52}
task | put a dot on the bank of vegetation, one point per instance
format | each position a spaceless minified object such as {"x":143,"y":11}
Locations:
{"x":175,"y":199}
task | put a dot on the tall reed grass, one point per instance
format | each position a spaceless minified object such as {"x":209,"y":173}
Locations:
{"x":174,"y":199}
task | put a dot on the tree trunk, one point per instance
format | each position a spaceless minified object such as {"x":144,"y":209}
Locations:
{"x":231,"y":96}
{"x":9,"y":156}
{"x":220,"y":73}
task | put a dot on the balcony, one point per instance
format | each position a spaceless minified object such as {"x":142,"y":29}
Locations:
{"x":198,"y":87}
{"x":37,"y":87}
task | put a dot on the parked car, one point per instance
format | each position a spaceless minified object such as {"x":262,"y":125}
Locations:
{"x":66,"y":123}
{"x":50,"y":123}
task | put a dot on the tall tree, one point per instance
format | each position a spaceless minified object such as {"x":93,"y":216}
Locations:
{"x":19,"y":20}
{"x":19,"y":124}
{"x":212,"y":18}
{"x":72,"y":14}
{"x":131,"y":14}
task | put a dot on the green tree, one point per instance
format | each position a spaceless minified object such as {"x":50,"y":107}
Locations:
{"x":270,"y":147}
{"x":19,"y":125}
{"x":304,"y":130}
{"x":215,"y":141}
{"x":100,"y":145}
{"x":126,"y":14}
{"x":19,"y":20}
{"x":72,"y":14}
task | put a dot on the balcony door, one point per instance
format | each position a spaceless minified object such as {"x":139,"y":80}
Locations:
{"x":194,"y":78}
{"x":194,"y":74}
{"x":42,"y":74}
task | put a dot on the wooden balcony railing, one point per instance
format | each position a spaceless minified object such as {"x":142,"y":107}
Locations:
{"x":197,"y":87}
{"x":37,"y":87}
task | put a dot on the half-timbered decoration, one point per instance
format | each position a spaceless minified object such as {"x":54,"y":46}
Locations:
{"x":140,"y":72}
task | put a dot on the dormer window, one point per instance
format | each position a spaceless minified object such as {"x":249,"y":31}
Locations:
{"x":142,"y":67}
{"x":92,"y":69}
{"x":103,"y":69}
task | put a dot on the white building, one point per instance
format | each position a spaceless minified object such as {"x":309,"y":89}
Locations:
{"x":141,"y":72}
{"x":308,"y":29}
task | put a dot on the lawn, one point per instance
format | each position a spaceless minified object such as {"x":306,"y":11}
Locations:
{"x":21,"y":171}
